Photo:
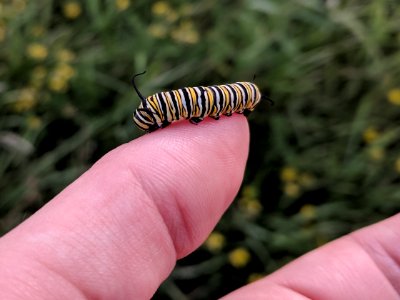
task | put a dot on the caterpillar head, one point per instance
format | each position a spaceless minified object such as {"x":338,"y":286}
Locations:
{"x":144,"y":119}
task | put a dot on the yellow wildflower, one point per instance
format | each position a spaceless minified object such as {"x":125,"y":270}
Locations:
{"x":215,"y":242}
{"x":308,"y":211}
{"x":185,"y":33}
{"x":370,"y":134}
{"x":37,"y":51}
{"x":65,"y":55}
{"x":160,"y":8}
{"x":397,"y":165}
{"x":289,"y":174}
{"x":376,"y":153}
{"x":122,"y":4}
{"x":72,"y":9}
{"x":59,"y":78}
{"x":26,"y":99}
{"x":250,"y":206}
{"x":58,"y":83}
{"x":34,"y":122}
{"x":65,"y":71}
{"x":157,"y":30}
{"x":171,"y":16}
{"x":239,"y":257}
{"x":291,"y":190}
{"x":393,"y":96}
{"x":250,"y":191}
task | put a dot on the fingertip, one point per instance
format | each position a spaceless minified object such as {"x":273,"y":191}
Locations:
{"x":207,"y":161}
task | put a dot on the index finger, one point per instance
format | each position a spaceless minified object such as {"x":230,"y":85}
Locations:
{"x":117,"y":231}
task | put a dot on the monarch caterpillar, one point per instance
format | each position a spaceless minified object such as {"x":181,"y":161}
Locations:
{"x":194,"y":103}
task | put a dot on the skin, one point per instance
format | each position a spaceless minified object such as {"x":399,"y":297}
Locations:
{"x":117,"y":231}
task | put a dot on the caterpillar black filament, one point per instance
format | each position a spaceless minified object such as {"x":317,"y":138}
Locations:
{"x":194,"y":103}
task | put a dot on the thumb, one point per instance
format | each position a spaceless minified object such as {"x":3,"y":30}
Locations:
{"x":116,"y":232}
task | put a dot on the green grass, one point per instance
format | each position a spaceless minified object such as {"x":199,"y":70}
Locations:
{"x":322,"y":160}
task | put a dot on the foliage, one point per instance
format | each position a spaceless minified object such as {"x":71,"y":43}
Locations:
{"x":323,"y":162}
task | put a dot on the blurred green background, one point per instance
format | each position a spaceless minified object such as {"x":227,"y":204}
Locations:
{"x":323,"y":161}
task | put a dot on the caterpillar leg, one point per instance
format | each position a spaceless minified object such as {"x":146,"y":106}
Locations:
{"x":271,"y":102}
{"x":228,"y":114}
{"x":165,"y":124}
{"x":195,"y":121}
{"x":247,"y":112}
{"x":152,"y":128}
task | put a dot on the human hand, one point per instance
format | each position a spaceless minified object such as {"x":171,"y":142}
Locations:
{"x":117,"y":231}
